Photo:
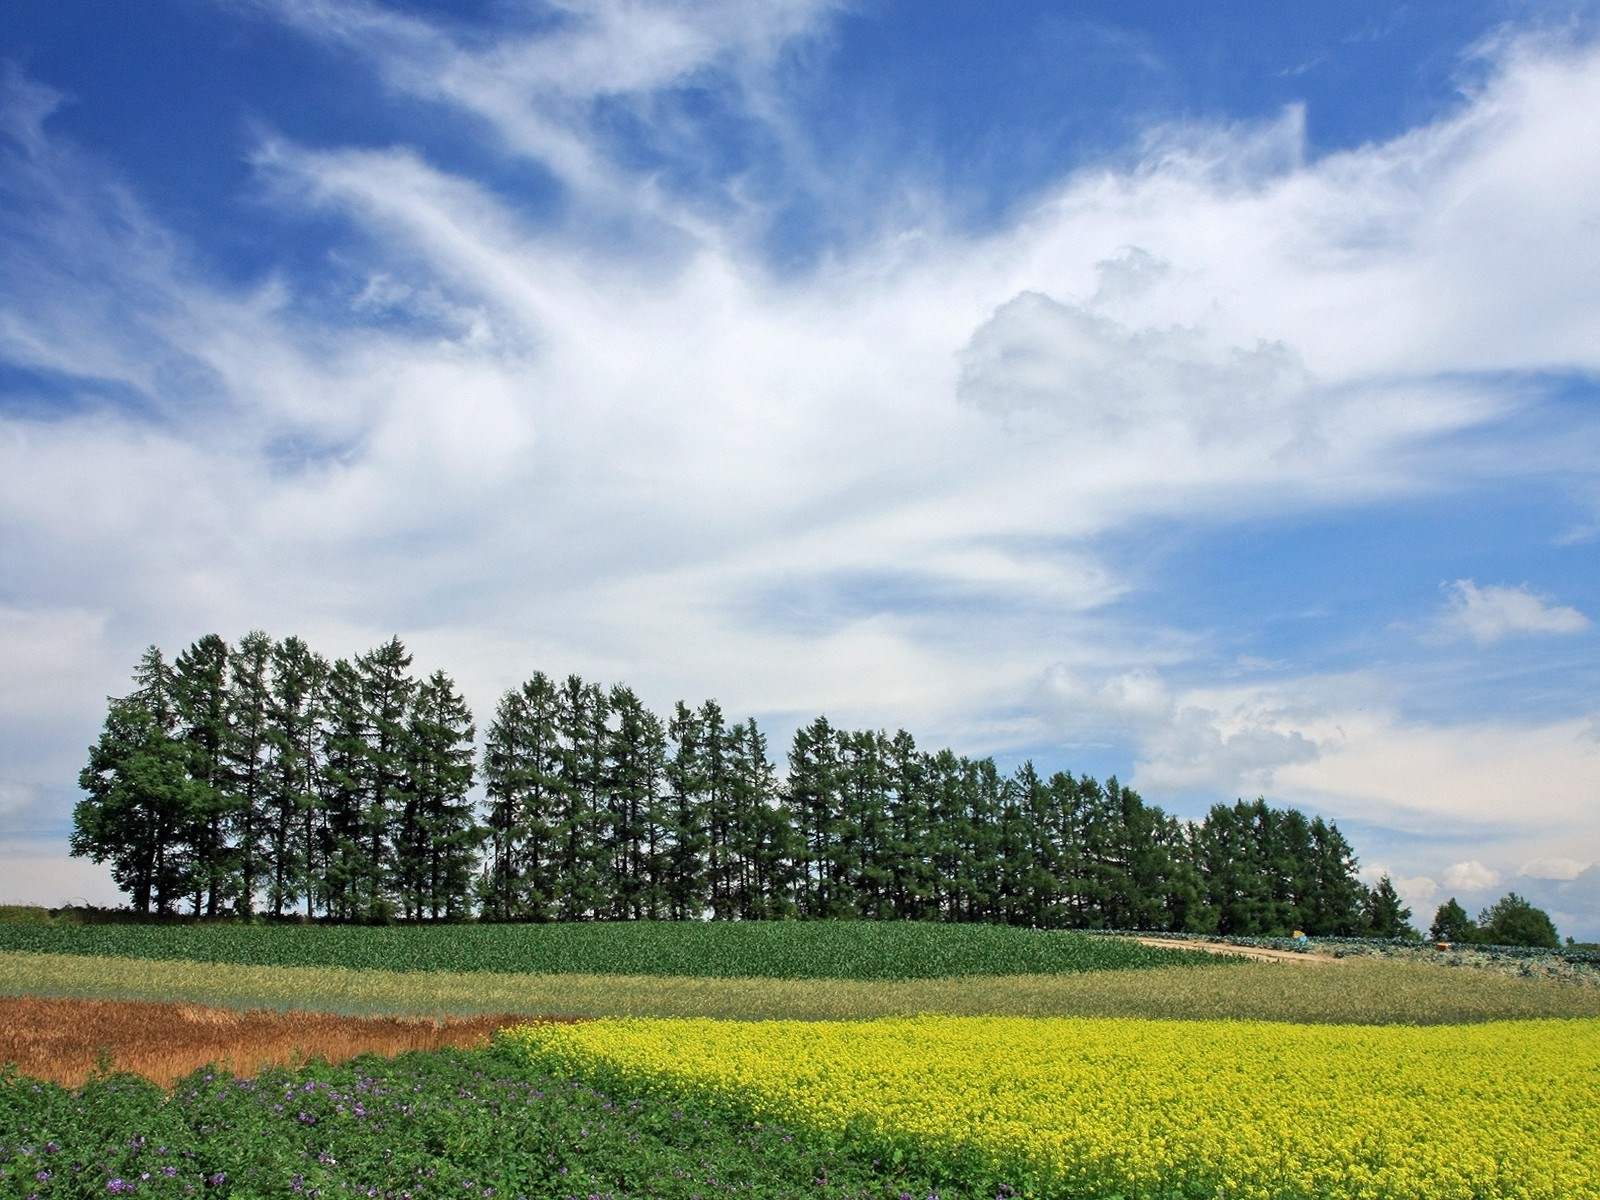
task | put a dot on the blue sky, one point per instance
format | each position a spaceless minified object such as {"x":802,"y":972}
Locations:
{"x":1204,"y":394}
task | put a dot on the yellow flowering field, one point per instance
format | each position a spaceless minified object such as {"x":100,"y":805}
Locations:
{"x":1070,"y":1107}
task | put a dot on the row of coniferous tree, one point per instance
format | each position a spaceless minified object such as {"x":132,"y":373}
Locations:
{"x":263,"y":778}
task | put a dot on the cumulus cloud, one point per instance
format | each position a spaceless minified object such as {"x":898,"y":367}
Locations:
{"x":1095,"y":377}
{"x":1493,"y":612}
{"x":1470,"y":876}
{"x":1555,"y":868}
{"x":1417,"y":891}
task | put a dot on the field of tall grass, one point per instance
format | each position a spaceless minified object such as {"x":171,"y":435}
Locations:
{"x":1358,"y":991}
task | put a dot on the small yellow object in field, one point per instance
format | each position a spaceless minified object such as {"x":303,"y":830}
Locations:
{"x":1089,"y":1107}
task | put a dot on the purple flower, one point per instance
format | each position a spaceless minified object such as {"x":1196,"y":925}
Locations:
{"x":119,"y":1185}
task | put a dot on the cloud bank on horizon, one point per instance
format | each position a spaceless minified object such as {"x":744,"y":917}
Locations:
{"x":1212,"y":406}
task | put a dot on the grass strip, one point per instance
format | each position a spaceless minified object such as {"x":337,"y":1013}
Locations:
{"x":1366,"y":991}
{"x":700,"y":949}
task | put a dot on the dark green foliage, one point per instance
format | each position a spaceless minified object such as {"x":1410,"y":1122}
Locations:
{"x":292,"y":803}
{"x":437,"y":842}
{"x":200,"y":676}
{"x":1509,"y":921}
{"x":246,"y":747}
{"x":720,"y":949}
{"x":260,"y":773}
{"x":1270,"y":871}
{"x":636,"y":758}
{"x":141,"y":807}
{"x":450,"y":1123}
{"x":522,"y":781}
{"x":30,"y":914}
{"x":263,"y":776}
{"x":1451,"y":924}
{"x":1383,"y":913}
{"x":1512,"y":921}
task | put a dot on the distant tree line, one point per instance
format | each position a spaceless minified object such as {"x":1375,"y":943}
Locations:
{"x":1509,"y":921}
{"x":263,"y":778}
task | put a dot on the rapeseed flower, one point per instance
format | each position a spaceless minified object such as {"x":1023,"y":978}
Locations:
{"x":1100,"y":1107}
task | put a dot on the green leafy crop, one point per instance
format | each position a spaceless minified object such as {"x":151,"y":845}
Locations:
{"x":773,"y":950}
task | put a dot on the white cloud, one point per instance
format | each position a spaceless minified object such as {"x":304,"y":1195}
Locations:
{"x":647,"y":458}
{"x":1554,"y":868}
{"x":1470,"y":876}
{"x":537,"y":91}
{"x":1493,"y":612}
{"x":55,"y":881}
{"x":51,"y":657}
{"x":1342,"y":746}
{"x":1417,"y":892}
{"x":1097,"y":376}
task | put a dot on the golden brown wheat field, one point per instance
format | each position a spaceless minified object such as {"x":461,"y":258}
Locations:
{"x":60,"y":1040}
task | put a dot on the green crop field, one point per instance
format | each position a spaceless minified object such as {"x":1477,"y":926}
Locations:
{"x":495,"y":1123}
{"x":418,"y":1127}
{"x":698,"y":949}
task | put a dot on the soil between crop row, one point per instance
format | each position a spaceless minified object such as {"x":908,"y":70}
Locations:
{"x":63,"y":1040}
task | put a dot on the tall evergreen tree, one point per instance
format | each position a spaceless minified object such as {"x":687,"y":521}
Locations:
{"x":582,"y":838}
{"x":687,"y":833}
{"x":1335,"y":904}
{"x":292,"y":808}
{"x":1385,"y":916}
{"x":909,"y":835}
{"x":636,"y":762}
{"x":813,"y":795}
{"x":1069,"y":808}
{"x":1451,"y":924}
{"x":201,"y":675}
{"x":865,"y":874}
{"x":1142,"y":866}
{"x":764,"y":842}
{"x":344,"y":739}
{"x":386,"y":690}
{"x":948,"y":833}
{"x":1013,"y":848}
{"x":714,"y":785}
{"x":245,"y":758}
{"x":437,"y":839}
{"x":978,"y":884}
{"x":1230,"y":854}
{"x":522,"y":780}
